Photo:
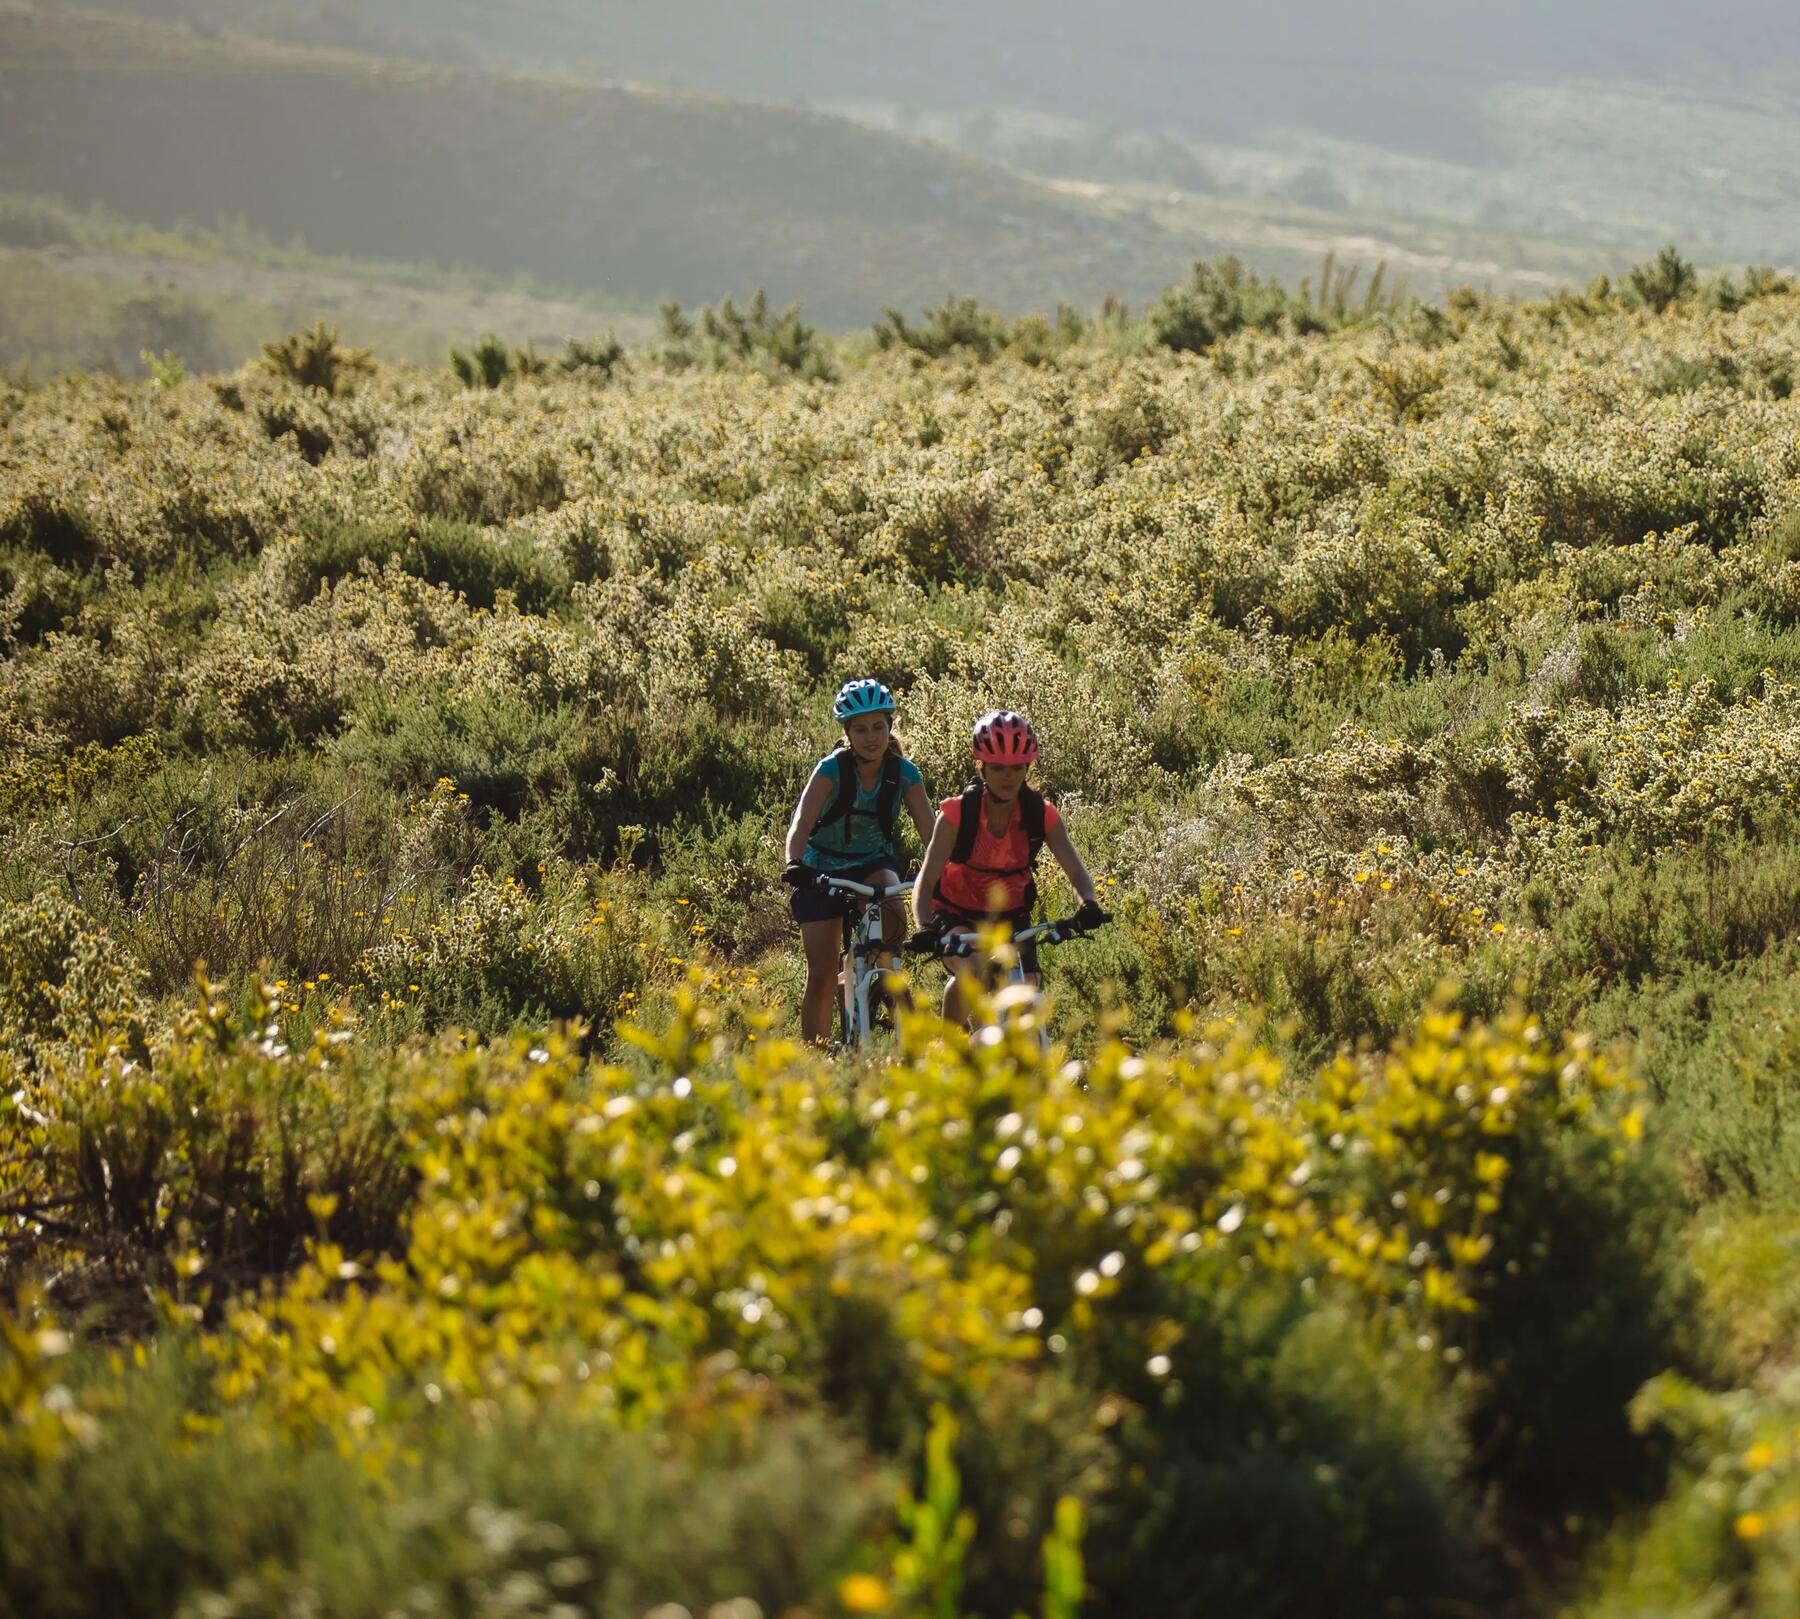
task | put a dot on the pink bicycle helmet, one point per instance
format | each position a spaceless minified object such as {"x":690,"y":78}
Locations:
{"x":1005,"y":738}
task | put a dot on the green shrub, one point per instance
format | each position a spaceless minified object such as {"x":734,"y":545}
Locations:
{"x":505,"y":956}
{"x":316,"y":359}
{"x":477,"y":563}
{"x":37,"y":518}
{"x":1663,"y":280}
{"x":731,"y":1499}
{"x":957,"y":325}
{"x":729,"y":338}
{"x":723,"y":875}
{"x":486,"y":365}
{"x":498,"y":746}
{"x":1220,"y":297}
{"x":219,"y":1149}
{"x":37,"y":596}
{"x":66,"y":986}
{"x":299,"y":881}
{"x":594,"y":356}
{"x":1358,"y":1505}
{"x":1725,"y":1539}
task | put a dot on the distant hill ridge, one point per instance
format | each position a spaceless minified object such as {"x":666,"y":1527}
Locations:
{"x":646,"y":192}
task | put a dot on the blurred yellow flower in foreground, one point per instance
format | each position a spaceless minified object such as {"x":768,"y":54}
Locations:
{"x":863,"y":1593}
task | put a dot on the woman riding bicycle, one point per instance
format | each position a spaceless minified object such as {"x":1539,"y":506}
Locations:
{"x":979,"y":863}
{"x":843,"y":826}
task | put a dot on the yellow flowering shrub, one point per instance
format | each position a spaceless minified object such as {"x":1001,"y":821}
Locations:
{"x":1728,"y":1537}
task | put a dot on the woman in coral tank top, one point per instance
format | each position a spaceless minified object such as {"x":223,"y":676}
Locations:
{"x":979,"y":863}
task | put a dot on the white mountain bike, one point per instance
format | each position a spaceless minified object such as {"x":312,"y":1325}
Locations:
{"x":861,"y":974}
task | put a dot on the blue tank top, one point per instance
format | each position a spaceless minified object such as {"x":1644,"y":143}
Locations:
{"x":859,"y":839}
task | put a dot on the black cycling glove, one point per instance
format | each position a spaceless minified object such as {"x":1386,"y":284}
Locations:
{"x":797,"y":874}
{"x":1090,"y":915}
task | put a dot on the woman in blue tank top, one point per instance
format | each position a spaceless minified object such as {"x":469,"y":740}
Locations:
{"x":844,"y":826}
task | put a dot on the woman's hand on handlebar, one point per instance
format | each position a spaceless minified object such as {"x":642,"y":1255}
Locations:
{"x":1090,"y":915}
{"x":927,"y":941}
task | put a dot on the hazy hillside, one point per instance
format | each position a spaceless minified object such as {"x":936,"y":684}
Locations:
{"x":1412,"y":76}
{"x":646,"y":193}
{"x":90,"y":291}
{"x":1511,"y":157}
{"x":1592,"y":165}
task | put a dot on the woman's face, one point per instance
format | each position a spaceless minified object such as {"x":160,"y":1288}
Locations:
{"x":1004,"y":781}
{"x":868,"y":734}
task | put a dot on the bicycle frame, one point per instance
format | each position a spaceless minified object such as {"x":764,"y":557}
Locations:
{"x":863,"y":942}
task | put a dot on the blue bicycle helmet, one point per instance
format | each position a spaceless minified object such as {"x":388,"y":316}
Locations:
{"x":862,"y":697}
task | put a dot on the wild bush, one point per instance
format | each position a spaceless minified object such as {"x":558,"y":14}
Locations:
{"x":506,"y":955}
{"x":752,"y":338}
{"x":732,"y":1499}
{"x":220,"y":1150}
{"x":316,"y":359}
{"x":487,"y":364}
{"x":1108,"y":1253}
{"x":592,"y":357}
{"x":303,"y":883}
{"x":1726,"y":1535}
{"x":957,"y":325}
{"x":476,"y":563}
{"x":1663,"y":280}
{"x":65,"y":986}
{"x":1220,"y":298}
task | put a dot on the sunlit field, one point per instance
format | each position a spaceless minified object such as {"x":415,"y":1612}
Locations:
{"x":414,"y":1197}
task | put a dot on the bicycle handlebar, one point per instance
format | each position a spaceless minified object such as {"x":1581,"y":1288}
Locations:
{"x":868,"y":890}
{"x":963,"y":944}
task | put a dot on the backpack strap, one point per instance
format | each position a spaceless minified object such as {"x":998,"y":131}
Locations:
{"x":969,"y":825}
{"x":843,"y":801}
{"x":887,"y":804}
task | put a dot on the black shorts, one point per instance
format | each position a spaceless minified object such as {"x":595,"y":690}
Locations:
{"x":957,"y":917}
{"x":822,"y":905}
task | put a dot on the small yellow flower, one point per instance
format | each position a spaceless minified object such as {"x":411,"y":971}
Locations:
{"x":863,"y":1593}
{"x":1751,"y":1525}
{"x":1759,"y":1457}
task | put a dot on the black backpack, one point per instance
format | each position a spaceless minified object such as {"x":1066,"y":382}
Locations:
{"x":1031,"y":811}
{"x":843,"y":803}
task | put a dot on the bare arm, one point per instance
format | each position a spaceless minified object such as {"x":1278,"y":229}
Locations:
{"x":1066,"y":857}
{"x":806,"y":815}
{"x":937,"y":856}
{"x":924,"y":815}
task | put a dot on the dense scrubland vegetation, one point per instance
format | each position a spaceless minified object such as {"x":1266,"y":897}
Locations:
{"x":1408,"y":1217}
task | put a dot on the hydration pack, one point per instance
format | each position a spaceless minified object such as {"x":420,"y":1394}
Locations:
{"x":843,"y":802}
{"x":1031,"y":812}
